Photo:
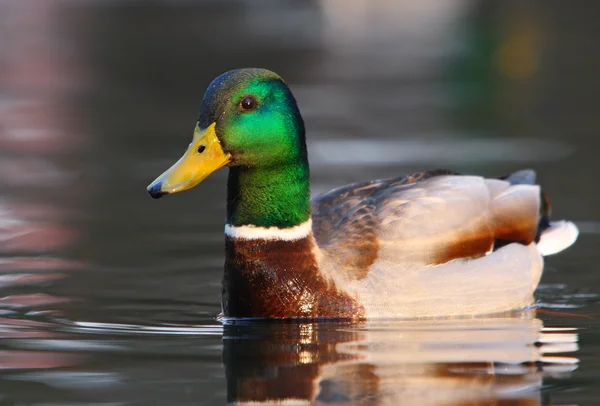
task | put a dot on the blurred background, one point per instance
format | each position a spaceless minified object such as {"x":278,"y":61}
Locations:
{"x":97,"y":98}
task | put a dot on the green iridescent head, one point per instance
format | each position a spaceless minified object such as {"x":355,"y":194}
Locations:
{"x":250,"y":122}
{"x":257,"y":119}
{"x":248,"y":118}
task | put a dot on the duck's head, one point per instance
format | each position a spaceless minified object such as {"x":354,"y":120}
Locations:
{"x":248,"y":118}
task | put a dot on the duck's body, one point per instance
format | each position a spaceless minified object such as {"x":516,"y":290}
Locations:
{"x":429,"y":244}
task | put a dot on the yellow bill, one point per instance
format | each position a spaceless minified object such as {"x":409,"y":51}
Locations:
{"x":204,"y":156}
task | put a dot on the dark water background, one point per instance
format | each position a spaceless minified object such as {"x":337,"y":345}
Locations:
{"x":109,"y":298}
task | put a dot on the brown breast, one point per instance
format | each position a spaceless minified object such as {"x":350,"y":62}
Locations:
{"x":280,"y":279}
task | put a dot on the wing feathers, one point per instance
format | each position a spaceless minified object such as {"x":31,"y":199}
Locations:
{"x":430,"y":221}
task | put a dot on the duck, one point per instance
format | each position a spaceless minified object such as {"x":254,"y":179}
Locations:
{"x":430,"y":244}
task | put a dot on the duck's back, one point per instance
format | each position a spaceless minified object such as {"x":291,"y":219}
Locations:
{"x":433,"y":243}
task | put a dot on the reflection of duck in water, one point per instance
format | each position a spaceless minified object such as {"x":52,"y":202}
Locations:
{"x":429,"y":244}
{"x":460,"y":362}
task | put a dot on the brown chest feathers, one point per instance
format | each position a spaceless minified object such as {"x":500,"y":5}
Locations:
{"x":280,"y":279}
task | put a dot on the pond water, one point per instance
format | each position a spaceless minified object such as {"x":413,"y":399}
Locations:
{"x":110,"y":298}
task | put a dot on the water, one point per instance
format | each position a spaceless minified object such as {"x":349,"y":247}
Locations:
{"x":109,"y":298}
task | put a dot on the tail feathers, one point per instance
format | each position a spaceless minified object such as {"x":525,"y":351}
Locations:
{"x":522,"y":177}
{"x":558,"y":236}
{"x":551,"y":236}
{"x":528,"y":177}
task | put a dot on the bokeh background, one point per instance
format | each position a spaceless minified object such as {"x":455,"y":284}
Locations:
{"x":99,"y":97}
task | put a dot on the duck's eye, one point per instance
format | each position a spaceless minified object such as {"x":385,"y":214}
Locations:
{"x":201,"y":148}
{"x":248,"y":103}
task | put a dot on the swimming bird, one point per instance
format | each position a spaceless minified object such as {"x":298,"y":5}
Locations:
{"x":429,"y":244}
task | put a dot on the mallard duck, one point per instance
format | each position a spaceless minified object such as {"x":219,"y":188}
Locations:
{"x":429,"y":244}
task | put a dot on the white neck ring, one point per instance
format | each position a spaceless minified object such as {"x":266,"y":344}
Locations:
{"x":251,"y":232}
